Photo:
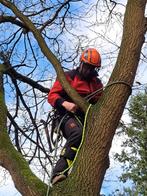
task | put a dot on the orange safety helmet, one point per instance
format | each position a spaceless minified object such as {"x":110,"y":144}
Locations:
{"x":92,"y":57}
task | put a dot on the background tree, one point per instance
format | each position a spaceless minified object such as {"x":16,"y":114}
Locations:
{"x":33,"y":38}
{"x":134,"y":153}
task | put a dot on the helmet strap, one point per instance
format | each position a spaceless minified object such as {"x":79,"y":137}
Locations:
{"x":93,"y":73}
{"x":81,"y":67}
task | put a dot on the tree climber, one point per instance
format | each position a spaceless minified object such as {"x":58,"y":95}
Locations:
{"x":85,"y":81}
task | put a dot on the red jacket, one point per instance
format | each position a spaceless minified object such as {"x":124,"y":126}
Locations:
{"x":57,"y":95}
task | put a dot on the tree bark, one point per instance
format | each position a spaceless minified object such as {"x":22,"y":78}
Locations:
{"x":49,"y":55}
{"x":90,"y":168}
{"x":25,"y":181}
{"x":92,"y":161}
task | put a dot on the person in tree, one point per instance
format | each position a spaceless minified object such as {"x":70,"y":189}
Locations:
{"x":85,"y":81}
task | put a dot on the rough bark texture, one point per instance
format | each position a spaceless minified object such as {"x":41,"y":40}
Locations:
{"x":92,"y":162}
{"x":89,"y":170}
{"x":25,"y":181}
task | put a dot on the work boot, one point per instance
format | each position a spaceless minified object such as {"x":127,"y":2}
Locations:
{"x":58,"y":178}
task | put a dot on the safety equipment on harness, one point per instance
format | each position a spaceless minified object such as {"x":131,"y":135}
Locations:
{"x":91,"y":56}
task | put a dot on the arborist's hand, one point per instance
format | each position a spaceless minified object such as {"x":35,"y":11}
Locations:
{"x":71,"y":107}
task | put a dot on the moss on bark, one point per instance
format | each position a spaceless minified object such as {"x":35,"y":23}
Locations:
{"x":25,"y":181}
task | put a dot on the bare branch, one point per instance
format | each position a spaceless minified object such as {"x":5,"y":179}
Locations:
{"x":13,"y":20}
{"x":13,"y":74}
{"x":50,"y":56}
{"x":55,"y":15}
{"x":30,"y":139}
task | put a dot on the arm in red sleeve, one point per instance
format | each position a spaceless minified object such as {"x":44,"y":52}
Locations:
{"x":55,"y":93}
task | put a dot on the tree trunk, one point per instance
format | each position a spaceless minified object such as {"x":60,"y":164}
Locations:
{"x":25,"y":181}
{"x":90,"y":168}
{"x":92,"y":162}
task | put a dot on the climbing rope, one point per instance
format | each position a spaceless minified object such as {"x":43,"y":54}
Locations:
{"x":56,"y":145}
{"x":84,"y":128}
{"x":83,"y":135}
{"x":88,"y":97}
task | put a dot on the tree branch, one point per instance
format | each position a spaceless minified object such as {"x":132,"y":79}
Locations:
{"x":13,"y":20}
{"x":11,"y":159}
{"x":28,"y":137}
{"x":50,"y":56}
{"x":55,"y":15}
{"x":14,"y":74}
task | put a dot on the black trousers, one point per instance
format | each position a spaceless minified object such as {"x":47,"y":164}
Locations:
{"x":72,"y":131}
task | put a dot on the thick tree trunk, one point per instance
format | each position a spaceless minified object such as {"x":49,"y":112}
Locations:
{"x":92,"y":162}
{"x":89,"y":170}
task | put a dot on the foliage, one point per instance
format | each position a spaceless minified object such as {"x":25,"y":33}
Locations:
{"x":30,"y":30}
{"x":134,"y":153}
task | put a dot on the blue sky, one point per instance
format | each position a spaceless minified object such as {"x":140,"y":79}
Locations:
{"x":8,"y":189}
{"x":110,"y":183}
{"x":108,"y":187}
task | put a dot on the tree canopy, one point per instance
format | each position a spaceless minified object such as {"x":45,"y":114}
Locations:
{"x":134,"y":153}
